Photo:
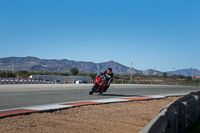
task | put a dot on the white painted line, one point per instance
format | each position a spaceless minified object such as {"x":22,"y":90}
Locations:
{"x":109,"y":100}
{"x":47,"y":107}
{"x":156,"y":96}
{"x":180,"y":94}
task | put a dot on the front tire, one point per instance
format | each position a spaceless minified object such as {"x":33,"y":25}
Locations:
{"x":93,"y":89}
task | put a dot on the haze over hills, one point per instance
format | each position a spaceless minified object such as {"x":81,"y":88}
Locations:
{"x":64,"y":65}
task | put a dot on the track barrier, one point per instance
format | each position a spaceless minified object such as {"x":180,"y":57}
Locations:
{"x":176,"y":116}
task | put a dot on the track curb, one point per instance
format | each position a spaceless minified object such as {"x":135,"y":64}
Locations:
{"x":66,"y":105}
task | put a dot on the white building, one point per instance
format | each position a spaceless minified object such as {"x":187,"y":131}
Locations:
{"x":62,"y":79}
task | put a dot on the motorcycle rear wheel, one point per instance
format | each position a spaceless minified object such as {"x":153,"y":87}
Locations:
{"x":93,"y":89}
{"x":101,"y":92}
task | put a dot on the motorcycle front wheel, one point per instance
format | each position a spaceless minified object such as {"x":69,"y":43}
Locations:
{"x":93,"y":89}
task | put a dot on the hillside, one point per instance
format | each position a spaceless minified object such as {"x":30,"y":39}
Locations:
{"x":64,"y":65}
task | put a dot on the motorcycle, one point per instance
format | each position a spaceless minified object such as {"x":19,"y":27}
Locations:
{"x":99,"y":85}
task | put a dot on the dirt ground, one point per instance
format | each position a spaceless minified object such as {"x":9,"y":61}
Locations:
{"x":123,"y":117}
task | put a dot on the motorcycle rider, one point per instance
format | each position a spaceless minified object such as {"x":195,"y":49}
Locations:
{"x":108,"y":74}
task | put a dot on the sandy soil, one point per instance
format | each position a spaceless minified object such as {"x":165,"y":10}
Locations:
{"x":124,"y":117}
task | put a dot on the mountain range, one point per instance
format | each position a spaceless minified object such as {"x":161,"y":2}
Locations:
{"x":64,"y":65}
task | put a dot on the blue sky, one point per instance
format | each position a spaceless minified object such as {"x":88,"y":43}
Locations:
{"x":153,"y":34}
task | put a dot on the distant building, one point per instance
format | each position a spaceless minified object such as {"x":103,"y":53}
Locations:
{"x":62,"y":79}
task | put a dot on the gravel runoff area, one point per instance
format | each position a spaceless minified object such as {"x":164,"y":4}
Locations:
{"x":123,"y":117}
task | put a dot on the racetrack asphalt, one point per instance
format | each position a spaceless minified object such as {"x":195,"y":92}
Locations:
{"x":17,"y":99}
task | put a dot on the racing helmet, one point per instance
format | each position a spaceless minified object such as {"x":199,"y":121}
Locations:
{"x":109,"y":70}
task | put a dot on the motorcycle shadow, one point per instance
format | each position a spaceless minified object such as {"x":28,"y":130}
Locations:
{"x":118,"y":95}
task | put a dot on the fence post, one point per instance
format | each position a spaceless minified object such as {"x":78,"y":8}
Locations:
{"x":182,"y":117}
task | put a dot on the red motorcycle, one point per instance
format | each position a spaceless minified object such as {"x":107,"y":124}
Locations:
{"x":99,"y":85}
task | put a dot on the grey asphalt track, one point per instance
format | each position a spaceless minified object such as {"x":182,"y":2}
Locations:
{"x":14,"y":96}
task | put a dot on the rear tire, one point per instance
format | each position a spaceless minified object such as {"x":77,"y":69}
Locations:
{"x":93,"y":89}
{"x":101,"y":92}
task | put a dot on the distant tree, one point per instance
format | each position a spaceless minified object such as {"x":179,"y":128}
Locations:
{"x":83,"y":74}
{"x":93,"y":75}
{"x":117,"y":76}
{"x":65,"y":74}
{"x":74,"y":71}
{"x":174,"y":76}
{"x":164,"y":75}
{"x":181,"y":76}
{"x":22,"y":73}
{"x":7,"y":74}
{"x":188,"y":78}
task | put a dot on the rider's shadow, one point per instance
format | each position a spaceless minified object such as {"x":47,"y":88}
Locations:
{"x":119,"y":95}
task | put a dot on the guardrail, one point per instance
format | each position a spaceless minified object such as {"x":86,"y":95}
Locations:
{"x":175,"y":117}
